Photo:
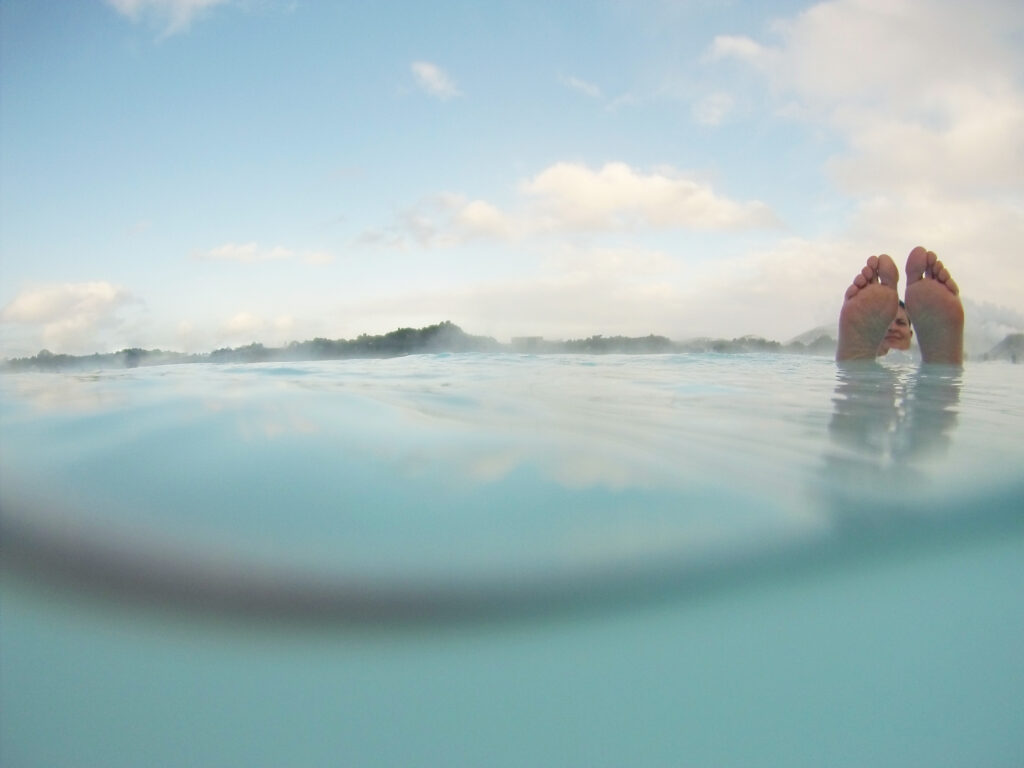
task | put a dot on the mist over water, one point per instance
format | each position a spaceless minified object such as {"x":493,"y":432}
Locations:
{"x":705,"y":536}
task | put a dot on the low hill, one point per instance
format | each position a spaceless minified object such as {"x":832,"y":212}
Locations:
{"x":1011,"y":348}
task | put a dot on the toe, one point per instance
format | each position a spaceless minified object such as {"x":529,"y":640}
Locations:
{"x":943,"y":276}
{"x":888,"y":273}
{"x":917,"y":264}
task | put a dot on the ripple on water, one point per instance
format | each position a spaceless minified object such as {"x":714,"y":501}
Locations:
{"x":456,"y":467}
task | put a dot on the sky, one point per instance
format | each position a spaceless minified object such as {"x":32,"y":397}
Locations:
{"x":193,"y":174}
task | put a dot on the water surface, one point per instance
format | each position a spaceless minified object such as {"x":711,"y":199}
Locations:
{"x":671,"y":559}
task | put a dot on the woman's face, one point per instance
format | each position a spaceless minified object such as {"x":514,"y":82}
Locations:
{"x":899,"y":334}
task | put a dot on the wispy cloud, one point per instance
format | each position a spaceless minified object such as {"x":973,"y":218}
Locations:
{"x":444,"y":220}
{"x":434,"y":80}
{"x":170,"y":16}
{"x":588,"y":89}
{"x":252,"y":253}
{"x":713,"y":109}
{"x":736,"y":46}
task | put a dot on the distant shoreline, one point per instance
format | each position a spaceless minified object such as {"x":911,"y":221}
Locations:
{"x":445,"y":337}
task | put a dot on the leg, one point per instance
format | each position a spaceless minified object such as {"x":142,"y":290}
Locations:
{"x":869,"y":307}
{"x":933,"y":303}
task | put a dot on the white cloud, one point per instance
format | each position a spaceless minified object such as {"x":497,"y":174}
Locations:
{"x":925,"y":93}
{"x":588,"y":89}
{"x":977,"y":146}
{"x":478,"y":218}
{"x":568,"y":198}
{"x":572,"y":196}
{"x":252,"y":253}
{"x":243,"y":324}
{"x":729,"y":46}
{"x":171,"y":16}
{"x":53,"y":302}
{"x":68,"y":317}
{"x":902,"y":54}
{"x":434,"y":80}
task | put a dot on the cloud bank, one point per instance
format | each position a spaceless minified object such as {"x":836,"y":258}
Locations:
{"x":926,"y":105}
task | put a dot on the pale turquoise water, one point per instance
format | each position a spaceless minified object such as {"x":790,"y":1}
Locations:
{"x":514,"y":560}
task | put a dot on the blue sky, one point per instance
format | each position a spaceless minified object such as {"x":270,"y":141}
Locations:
{"x":190,"y":174}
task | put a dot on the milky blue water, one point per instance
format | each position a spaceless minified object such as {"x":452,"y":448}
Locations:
{"x":514,"y":560}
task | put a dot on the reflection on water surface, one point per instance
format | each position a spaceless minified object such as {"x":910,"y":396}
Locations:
{"x":512,"y":561}
{"x":432,"y":486}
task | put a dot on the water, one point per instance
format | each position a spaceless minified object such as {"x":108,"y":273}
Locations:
{"x":514,"y":560}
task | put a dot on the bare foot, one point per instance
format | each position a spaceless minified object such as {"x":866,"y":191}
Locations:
{"x":933,"y":303}
{"x":868,"y":308}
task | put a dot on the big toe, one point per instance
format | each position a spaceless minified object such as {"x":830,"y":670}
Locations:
{"x":888,"y":273}
{"x":917,"y":264}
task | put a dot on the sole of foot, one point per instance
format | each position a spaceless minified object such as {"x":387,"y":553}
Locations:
{"x":869,"y":306}
{"x":933,"y":303}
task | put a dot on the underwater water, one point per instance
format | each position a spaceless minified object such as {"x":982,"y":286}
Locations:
{"x":514,"y":560}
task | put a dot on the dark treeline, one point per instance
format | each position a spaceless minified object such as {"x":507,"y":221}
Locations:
{"x":126,"y":358}
{"x":443,"y":337}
